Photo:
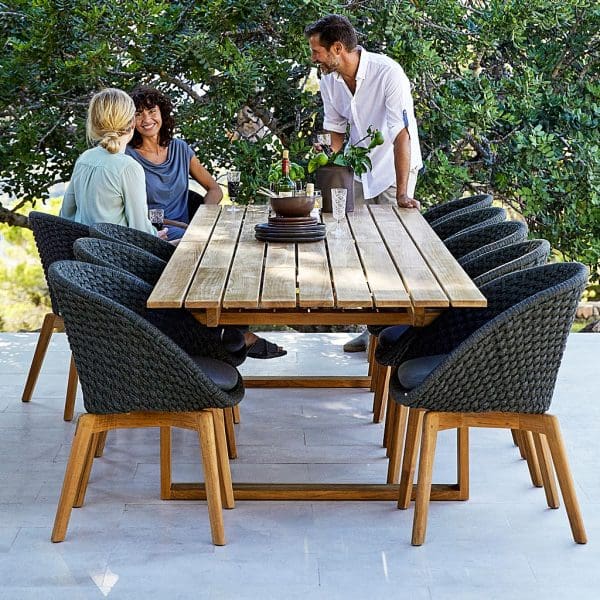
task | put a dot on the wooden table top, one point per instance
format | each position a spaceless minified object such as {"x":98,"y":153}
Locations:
{"x":387,"y":267}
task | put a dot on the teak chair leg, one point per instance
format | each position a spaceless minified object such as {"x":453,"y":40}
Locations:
{"x":396,"y":440}
{"x":73,"y":476}
{"x":387,"y":428}
{"x":409,"y":461}
{"x":371,"y":359}
{"x":206,"y":432}
{"x":565,"y":479}
{"x":48,"y":325}
{"x":71,"y":391}
{"x":430,"y":430}
{"x":89,"y":430}
{"x":462,"y":461}
{"x":381,"y":392}
{"x":165,"y":463}
{"x":236,"y":414}
{"x":546,"y":470}
{"x":223,"y":459}
{"x":101,"y":443}
{"x":527,"y":445}
{"x":537,"y":426}
{"x":87,"y":469}
{"x":230,"y":433}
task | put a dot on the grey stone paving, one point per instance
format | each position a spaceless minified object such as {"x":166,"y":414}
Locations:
{"x":127,"y":543}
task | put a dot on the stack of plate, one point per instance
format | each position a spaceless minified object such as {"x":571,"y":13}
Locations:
{"x":290,"y":229}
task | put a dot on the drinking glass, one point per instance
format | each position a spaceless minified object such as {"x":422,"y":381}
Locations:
{"x":338,"y":207}
{"x":324,"y":140}
{"x":233,"y":187}
{"x":157,"y":218}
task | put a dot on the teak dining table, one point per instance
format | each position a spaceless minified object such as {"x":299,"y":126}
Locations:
{"x":385,"y":266}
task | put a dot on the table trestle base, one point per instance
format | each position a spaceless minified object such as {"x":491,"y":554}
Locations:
{"x":313,"y":492}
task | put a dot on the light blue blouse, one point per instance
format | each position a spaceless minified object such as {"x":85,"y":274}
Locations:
{"x":107,"y":188}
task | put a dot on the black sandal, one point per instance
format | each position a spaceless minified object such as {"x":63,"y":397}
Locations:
{"x":265,"y":349}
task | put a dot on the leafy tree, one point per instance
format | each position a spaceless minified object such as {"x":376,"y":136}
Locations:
{"x":507,"y":91}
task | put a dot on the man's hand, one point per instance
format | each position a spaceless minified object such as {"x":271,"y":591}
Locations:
{"x":405,"y":201}
{"x":162,"y":233}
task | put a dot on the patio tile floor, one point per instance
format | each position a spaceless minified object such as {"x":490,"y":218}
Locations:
{"x":127,"y":543}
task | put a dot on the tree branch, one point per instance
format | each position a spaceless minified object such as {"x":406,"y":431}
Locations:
{"x":12,"y":218}
{"x":183,"y":86}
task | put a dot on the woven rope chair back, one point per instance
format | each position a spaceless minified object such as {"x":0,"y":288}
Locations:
{"x":124,"y":362}
{"x":514,"y":257}
{"x":134,"y":237}
{"x":458,"y":206}
{"x":115,"y":255}
{"x":452,"y":224}
{"x":470,"y":244}
{"x":504,"y":357}
{"x":54,"y":238}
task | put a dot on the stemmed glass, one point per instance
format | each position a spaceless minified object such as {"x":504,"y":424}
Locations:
{"x":324,"y":140}
{"x":157,"y":218}
{"x":338,"y":208}
{"x":233,"y":187}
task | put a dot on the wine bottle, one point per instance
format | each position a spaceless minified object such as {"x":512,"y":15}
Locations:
{"x":285,"y":185}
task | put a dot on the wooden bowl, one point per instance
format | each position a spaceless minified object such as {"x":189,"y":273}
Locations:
{"x":293,"y":206}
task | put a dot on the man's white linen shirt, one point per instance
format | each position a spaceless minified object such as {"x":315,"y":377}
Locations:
{"x":382,"y":100}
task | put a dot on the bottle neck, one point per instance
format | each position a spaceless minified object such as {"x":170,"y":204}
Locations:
{"x":285,"y":167}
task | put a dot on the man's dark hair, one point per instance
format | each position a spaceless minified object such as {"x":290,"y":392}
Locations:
{"x":145,"y":97}
{"x":331,"y":29}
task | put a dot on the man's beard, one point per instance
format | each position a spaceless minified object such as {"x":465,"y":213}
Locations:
{"x":326,"y":68}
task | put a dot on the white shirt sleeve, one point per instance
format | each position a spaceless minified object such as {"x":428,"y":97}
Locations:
{"x":332,"y":119}
{"x":134,"y":198}
{"x":398,"y":103}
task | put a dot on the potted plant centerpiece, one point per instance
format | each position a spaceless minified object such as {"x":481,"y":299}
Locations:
{"x":338,"y":168}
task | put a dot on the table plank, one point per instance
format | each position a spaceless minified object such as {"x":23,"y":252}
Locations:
{"x":314,"y":279}
{"x":202,"y":223}
{"x":243,"y":285}
{"x":279,"y":277}
{"x":383,"y":278}
{"x":418,"y":279}
{"x":171,"y":288}
{"x":349,"y":283}
{"x":458,"y":286}
{"x":208,"y":285}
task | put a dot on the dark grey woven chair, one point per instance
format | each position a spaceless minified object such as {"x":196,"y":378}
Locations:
{"x":491,"y":367}
{"x":478,"y":241}
{"x":116,"y":255}
{"x":54,"y":237}
{"x":139,"y":239}
{"x":133,"y":375}
{"x":458,"y":206}
{"x":514,"y":257}
{"x":453,"y":224}
{"x":179,"y":324}
{"x":482,"y":269}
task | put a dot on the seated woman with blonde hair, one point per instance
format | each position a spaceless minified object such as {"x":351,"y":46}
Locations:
{"x":107,"y":186}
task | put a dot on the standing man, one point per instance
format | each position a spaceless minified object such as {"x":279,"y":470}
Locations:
{"x":363,"y":89}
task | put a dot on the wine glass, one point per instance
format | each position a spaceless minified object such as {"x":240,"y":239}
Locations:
{"x":324,"y":140}
{"x":233,"y":187}
{"x":338,"y":207}
{"x":157,"y":218}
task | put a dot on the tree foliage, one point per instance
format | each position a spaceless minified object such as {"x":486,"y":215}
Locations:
{"x":507,"y":91}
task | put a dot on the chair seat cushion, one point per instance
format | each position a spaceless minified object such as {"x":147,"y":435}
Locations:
{"x":413,"y":372}
{"x":390,"y":335}
{"x":223,"y":375}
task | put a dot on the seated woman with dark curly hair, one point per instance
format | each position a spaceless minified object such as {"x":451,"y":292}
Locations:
{"x":167,"y":162}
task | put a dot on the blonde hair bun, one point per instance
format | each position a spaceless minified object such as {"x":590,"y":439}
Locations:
{"x":110,"y":114}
